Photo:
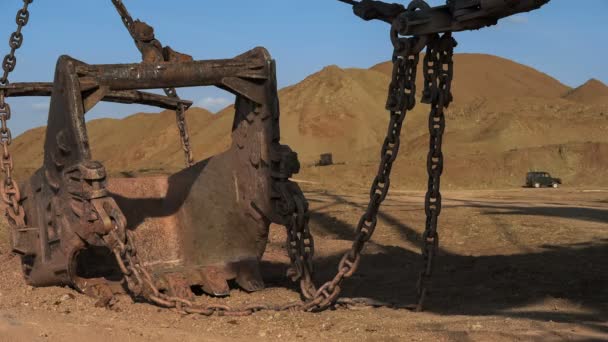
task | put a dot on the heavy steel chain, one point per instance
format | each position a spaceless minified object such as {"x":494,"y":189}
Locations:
{"x":182,"y":126}
{"x":126,"y":18}
{"x":438,"y":75}
{"x":9,"y":190}
{"x":300,"y":243}
{"x":180,"y":112}
{"x":401,"y":98}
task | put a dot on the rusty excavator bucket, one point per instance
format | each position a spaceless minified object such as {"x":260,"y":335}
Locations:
{"x":202,"y":226}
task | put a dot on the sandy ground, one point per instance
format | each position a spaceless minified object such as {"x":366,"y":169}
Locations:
{"x":522,"y":264}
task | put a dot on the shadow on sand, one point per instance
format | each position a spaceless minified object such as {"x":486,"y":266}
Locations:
{"x":462,"y":285}
{"x":483,"y":285}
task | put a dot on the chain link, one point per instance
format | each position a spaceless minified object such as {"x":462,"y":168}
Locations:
{"x":300,"y":243}
{"x":438,"y":75}
{"x":180,"y":112}
{"x":182,"y":126}
{"x":15,"y":41}
{"x":9,"y":190}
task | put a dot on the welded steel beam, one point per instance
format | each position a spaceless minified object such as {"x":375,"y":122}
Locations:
{"x":121,"y":96}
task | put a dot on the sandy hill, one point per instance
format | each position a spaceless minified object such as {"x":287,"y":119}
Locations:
{"x":139,"y":142}
{"x":592,"y":92}
{"x":487,"y":77}
{"x":507,"y":119}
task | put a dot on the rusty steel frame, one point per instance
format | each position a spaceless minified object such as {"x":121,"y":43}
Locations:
{"x":124,"y":96}
{"x":220,"y":208}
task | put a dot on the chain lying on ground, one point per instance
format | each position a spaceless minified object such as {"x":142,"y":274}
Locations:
{"x":180,"y":112}
{"x":9,"y":190}
{"x":438,"y":74}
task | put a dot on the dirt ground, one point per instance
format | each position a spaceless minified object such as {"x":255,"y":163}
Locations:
{"x":521,"y":264}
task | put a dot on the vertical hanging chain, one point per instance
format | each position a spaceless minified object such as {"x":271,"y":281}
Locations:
{"x":438,"y":75}
{"x":182,"y":126}
{"x":300,"y":242}
{"x":180,"y":111}
{"x":401,"y":99}
{"x":9,"y":190}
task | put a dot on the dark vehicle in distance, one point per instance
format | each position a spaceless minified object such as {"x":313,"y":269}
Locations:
{"x":542,"y":179}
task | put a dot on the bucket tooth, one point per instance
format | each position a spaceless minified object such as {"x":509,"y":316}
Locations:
{"x":249,"y":276}
{"x":213,"y":281}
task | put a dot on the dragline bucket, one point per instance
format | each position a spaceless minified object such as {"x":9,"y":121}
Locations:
{"x":200,"y":227}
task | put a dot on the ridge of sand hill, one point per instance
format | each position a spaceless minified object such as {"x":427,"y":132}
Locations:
{"x":503,"y":110}
{"x":481,"y":76}
{"x":498,"y":111}
{"x":139,"y":141}
{"x":591,"y":92}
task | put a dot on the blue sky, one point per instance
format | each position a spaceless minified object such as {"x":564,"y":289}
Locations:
{"x":566,"y":39}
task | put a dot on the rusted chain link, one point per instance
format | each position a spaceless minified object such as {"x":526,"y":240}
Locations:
{"x":180,"y":112}
{"x":9,"y":190}
{"x":300,"y":243}
{"x":15,"y":41}
{"x":438,"y":75}
{"x":182,"y":126}
{"x":127,"y":20}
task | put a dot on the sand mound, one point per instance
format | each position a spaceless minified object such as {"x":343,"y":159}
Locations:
{"x":479,"y":77}
{"x":142,"y":142}
{"x":592,"y":92}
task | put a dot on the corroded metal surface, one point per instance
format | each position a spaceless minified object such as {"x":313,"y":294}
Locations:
{"x":124,"y":96}
{"x":177,"y":239}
